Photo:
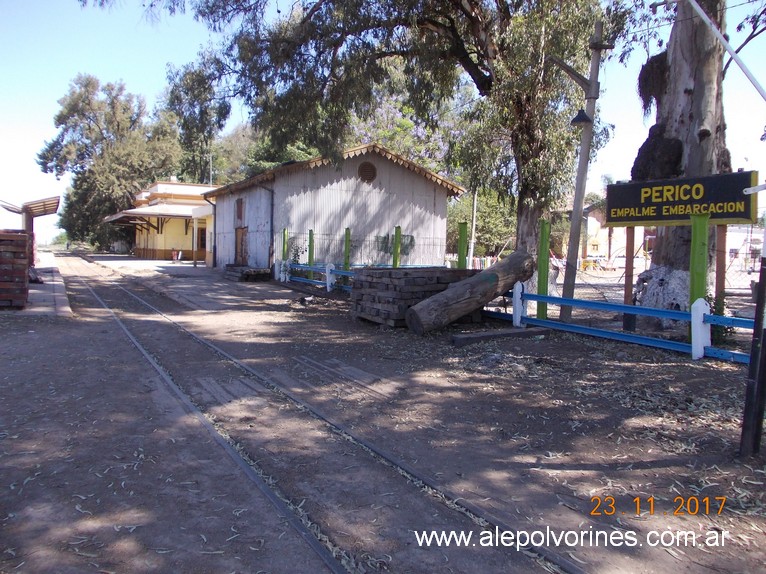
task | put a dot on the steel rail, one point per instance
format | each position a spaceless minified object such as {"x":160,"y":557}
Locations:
{"x":190,"y":408}
{"x":450,"y":499}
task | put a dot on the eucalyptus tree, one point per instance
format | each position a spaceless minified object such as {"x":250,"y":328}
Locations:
{"x":112,"y":149}
{"x":683,"y":81}
{"x":304,"y":73}
{"x":202,"y":113}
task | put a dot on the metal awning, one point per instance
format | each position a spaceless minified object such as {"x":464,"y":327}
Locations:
{"x":10,"y":207}
{"x":163,"y":210}
{"x":40,"y":207}
{"x":36,"y":208}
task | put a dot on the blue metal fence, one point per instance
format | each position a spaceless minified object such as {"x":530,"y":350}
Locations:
{"x":328,"y":270}
{"x":706,"y":318}
{"x":519,"y":316}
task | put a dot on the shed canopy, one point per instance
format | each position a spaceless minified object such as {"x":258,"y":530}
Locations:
{"x":169,"y":210}
{"x":36,"y":208}
{"x":40,"y":207}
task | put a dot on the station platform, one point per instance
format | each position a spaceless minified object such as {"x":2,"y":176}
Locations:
{"x":48,"y":297}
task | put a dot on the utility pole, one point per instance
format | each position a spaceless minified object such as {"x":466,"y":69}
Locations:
{"x":591,"y":88}
{"x":472,"y":241}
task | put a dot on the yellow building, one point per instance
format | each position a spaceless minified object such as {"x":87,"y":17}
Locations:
{"x":171,"y":220}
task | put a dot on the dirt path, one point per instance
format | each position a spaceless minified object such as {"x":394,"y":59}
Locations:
{"x":538,"y":434}
{"x":103,"y":471}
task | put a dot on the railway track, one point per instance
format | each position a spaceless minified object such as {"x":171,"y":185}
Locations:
{"x":355,"y":504}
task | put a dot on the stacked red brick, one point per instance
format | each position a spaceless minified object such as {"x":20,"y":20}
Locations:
{"x":14,"y":268}
{"x":384,"y":295}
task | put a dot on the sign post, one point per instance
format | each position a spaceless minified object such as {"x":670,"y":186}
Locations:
{"x":698,"y":258}
{"x":755,"y":390}
{"x":699,"y":202}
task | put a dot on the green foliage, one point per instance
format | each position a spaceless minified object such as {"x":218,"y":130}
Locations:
{"x":230,"y":155}
{"x":112,"y":149}
{"x":494,"y":223}
{"x":312,"y":72}
{"x":394,"y":123}
{"x":60,"y":239}
{"x":201,"y":113}
{"x":594,"y":201}
{"x":264,"y":155}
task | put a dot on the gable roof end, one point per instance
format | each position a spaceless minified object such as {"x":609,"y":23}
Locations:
{"x":269,"y":175}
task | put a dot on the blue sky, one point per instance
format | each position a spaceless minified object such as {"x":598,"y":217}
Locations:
{"x":46,"y":43}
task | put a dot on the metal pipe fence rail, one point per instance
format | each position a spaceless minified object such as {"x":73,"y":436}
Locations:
{"x":330,"y":272}
{"x":699,"y":318}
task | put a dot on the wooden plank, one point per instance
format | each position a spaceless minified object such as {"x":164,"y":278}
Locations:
{"x":463,"y":339}
{"x":14,"y":248}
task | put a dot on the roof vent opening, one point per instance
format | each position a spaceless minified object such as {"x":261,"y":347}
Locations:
{"x":367,"y":172}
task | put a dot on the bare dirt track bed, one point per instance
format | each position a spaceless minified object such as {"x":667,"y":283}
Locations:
{"x":529,"y":431}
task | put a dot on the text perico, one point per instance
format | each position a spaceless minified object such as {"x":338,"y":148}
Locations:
{"x":674,"y":201}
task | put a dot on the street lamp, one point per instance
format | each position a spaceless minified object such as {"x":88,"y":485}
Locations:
{"x":584,"y":118}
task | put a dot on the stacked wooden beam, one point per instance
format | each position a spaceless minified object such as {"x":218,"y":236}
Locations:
{"x":384,"y":295}
{"x":14,"y":268}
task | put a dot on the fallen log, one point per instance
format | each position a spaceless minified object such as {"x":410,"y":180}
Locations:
{"x":470,"y":294}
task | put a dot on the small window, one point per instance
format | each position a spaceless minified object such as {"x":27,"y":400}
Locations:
{"x":367,"y":172}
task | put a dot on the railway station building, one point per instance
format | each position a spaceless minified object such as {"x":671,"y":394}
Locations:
{"x":371,"y":192}
{"x":171,"y":221}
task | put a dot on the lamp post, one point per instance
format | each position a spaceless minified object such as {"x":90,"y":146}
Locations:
{"x":584,"y":118}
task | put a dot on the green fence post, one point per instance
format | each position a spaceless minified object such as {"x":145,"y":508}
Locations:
{"x":397,"y":245}
{"x":347,"y":250}
{"x":698,"y":258}
{"x":285,"y":253}
{"x":462,"y":245}
{"x":543,"y":263}
{"x":311,"y":252}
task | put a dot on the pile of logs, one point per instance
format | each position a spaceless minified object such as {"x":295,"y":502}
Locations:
{"x":470,"y":294}
{"x":384,"y":295}
{"x":14,"y":268}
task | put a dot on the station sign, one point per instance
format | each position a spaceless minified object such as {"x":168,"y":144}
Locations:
{"x":674,"y":201}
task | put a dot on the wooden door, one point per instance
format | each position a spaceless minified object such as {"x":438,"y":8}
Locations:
{"x":240,"y":249}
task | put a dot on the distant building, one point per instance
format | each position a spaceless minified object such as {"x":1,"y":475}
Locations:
{"x":170,"y":218}
{"x":371,"y":192}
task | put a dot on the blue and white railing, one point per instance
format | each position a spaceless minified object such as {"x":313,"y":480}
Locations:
{"x":328,"y":270}
{"x":699,"y":318}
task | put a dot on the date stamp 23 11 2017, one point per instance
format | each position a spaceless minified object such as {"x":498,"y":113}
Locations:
{"x":638,"y":506}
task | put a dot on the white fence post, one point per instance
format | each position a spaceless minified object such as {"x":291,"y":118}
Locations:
{"x":329,"y":276}
{"x":699,"y":329}
{"x":284,"y":271}
{"x":519,"y":306}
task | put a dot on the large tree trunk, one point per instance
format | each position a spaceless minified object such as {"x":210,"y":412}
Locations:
{"x":687,"y":140}
{"x":470,"y":294}
{"x":528,"y":228}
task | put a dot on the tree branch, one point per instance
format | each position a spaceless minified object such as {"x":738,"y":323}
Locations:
{"x":752,"y":36}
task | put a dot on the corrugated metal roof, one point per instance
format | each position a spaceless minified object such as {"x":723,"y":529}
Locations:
{"x":270,"y":174}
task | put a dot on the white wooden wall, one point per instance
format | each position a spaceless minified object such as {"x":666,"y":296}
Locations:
{"x":328,"y":200}
{"x":257,"y":218}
